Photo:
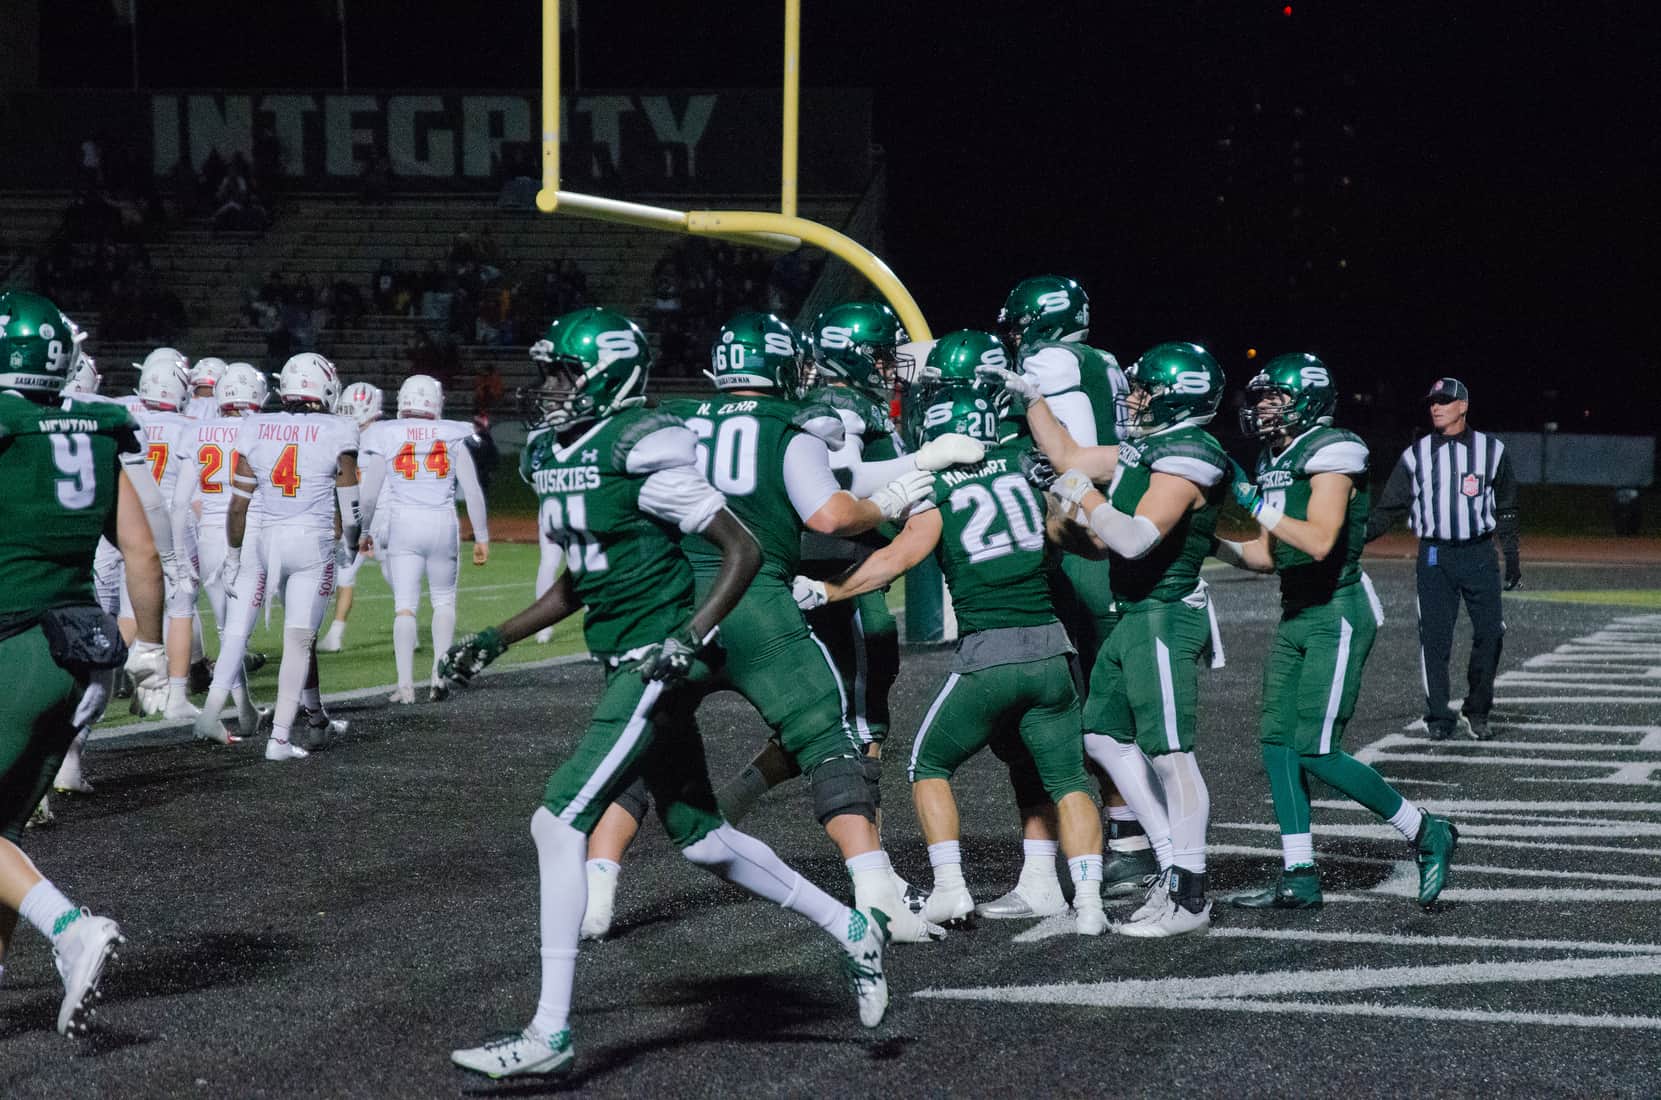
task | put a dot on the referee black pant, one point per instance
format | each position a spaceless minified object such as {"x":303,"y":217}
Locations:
{"x":1449,"y":572}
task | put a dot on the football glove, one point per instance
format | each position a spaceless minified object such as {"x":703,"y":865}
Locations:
{"x":671,"y":659}
{"x":147,"y":666}
{"x":897,"y":497}
{"x":1513,"y":579}
{"x":471,"y":656}
{"x":174,"y":571}
{"x":1037,"y":469}
{"x":1022,"y":385}
{"x":231,"y":566}
{"x":1250,"y":497}
{"x":1070,"y":488}
{"x":808,"y":593}
{"x":951,"y":449}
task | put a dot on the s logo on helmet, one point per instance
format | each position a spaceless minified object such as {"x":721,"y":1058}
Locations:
{"x":1314,"y":376}
{"x":1191,"y":382}
{"x":1053,"y":302}
{"x":777,"y":343}
{"x":836,"y":338}
{"x":937,"y":415}
{"x":616,"y":344}
{"x":994,"y":357}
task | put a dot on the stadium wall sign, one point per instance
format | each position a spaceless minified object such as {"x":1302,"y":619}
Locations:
{"x":707,"y":141}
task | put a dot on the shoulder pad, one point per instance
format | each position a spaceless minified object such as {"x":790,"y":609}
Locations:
{"x":821,"y":420}
{"x":1056,"y":366}
{"x":1335,"y":451}
{"x":644,"y":424}
{"x":1190,"y":454}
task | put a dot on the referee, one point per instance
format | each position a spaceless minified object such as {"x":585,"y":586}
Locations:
{"x":1456,"y":489}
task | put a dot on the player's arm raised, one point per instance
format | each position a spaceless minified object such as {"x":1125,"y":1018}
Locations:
{"x":1059,"y":443}
{"x":1168,"y":499}
{"x":916,"y":541}
{"x":826,"y":508}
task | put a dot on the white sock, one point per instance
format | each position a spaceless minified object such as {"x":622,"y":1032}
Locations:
{"x":1298,"y":849}
{"x":1407,"y":820}
{"x":1038,"y":865}
{"x":873,"y":877}
{"x":45,"y":907}
{"x":197,"y":653}
{"x":744,"y":861}
{"x":176,"y":692}
{"x":227,"y":670}
{"x":741,"y":793}
{"x":1131,"y":772}
{"x":563,"y":886}
{"x":946,"y":858}
{"x":247,"y":713}
{"x":444,"y":632}
{"x":1189,"y":804}
{"x":1086,"y":872}
{"x":403,"y":648}
{"x":291,"y":678}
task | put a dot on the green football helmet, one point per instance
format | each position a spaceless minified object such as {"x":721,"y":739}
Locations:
{"x":957,"y":356}
{"x":857,"y":343}
{"x":593,"y":363}
{"x":1306,"y":395}
{"x":37,"y":346}
{"x":932,"y":411}
{"x":1044,"y":307}
{"x":1172,"y":384}
{"x":756,"y":351}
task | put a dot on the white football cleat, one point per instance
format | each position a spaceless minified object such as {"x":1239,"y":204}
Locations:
{"x":208,"y":727}
{"x":1025,"y":902}
{"x":1091,"y":919}
{"x":602,"y":900}
{"x":80,"y":954}
{"x":909,"y":927}
{"x":545,"y":635}
{"x":529,"y":1051}
{"x":862,"y":964}
{"x":403,"y":695}
{"x":284,"y":750}
{"x":1159,"y":890}
{"x":1170,"y":920}
{"x":180,"y":709}
{"x":948,"y":906}
{"x":69,"y":778}
{"x":42,"y":816}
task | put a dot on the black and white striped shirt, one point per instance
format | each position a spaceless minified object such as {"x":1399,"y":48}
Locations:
{"x":1452,"y":489}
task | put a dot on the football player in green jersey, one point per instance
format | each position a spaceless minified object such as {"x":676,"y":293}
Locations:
{"x":1044,"y":324}
{"x":620,"y":488}
{"x":1310,"y":500}
{"x":1011,"y":667}
{"x":765,"y":451}
{"x":72,"y":471}
{"x":1156,"y":522}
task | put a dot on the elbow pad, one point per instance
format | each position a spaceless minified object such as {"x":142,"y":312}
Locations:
{"x":1127,"y":536}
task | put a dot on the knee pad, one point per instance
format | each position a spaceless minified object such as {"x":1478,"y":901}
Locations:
{"x":839,"y":787}
{"x":872,"y":767}
{"x":635,"y":799}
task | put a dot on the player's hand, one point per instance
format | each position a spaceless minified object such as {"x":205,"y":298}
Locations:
{"x":174,"y":570}
{"x":1022,"y":385}
{"x":897,"y":497}
{"x":344,"y":552}
{"x":147,"y":665}
{"x":231,"y":566}
{"x":1036,"y":467}
{"x":808,"y":593}
{"x":671,"y":659}
{"x":1070,"y":488}
{"x":481,"y":553}
{"x":1513,"y":578}
{"x":471,"y":656}
{"x":951,"y":449}
{"x":1246,"y":492}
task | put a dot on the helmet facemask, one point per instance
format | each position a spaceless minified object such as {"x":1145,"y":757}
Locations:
{"x":1269,"y":411}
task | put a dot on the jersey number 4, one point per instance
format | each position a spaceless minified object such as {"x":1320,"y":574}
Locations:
{"x":285,"y":472}
{"x":406,"y":465}
{"x":1009,"y":497}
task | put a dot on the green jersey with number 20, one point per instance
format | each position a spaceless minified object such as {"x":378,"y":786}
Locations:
{"x":617,"y":499}
{"x":1171,"y":570}
{"x":991,"y":546}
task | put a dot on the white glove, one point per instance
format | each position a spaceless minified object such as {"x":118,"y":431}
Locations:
{"x":897,"y":497}
{"x":231,"y":566}
{"x":147,"y":665}
{"x":951,"y":449}
{"x":344,"y":554}
{"x":1070,"y":488}
{"x":808,"y":593}
{"x":1022,"y":385}
{"x":173,"y":570}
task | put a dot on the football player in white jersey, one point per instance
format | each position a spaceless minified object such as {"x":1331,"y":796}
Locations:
{"x":302,"y":463}
{"x":163,"y":390}
{"x":363,"y":403}
{"x":204,"y":489}
{"x":421,"y":459}
{"x":205,"y":374}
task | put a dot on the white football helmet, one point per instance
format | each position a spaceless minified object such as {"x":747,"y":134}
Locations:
{"x":164,"y":381}
{"x":207,"y":371}
{"x":421,"y":395}
{"x":309,"y":377}
{"x":171,"y":356}
{"x":362,"y":402}
{"x":242,"y":388}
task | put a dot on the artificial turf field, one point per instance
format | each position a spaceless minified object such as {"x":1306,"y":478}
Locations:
{"x":333,"y":927}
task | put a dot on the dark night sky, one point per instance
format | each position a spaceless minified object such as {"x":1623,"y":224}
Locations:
{"x":1501,"y":160}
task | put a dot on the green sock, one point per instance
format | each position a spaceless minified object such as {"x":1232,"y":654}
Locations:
{"x":1349,"y":776}
{"x":1286,"y":784}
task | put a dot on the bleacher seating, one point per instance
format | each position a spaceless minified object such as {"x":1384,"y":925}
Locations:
{"x":28,"y":219}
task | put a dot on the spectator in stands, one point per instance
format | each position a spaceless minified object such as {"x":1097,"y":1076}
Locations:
{"x":487,"y":387}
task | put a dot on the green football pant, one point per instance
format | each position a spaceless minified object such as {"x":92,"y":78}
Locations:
{"x":638,"y":730}
{"x":37,"y":722}
{"x":864,"y":644}
{"x":786,"y":673}
{"x":1034,"y":697}
{"x":1145,"y":686}
{"x":1313,"y":674}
